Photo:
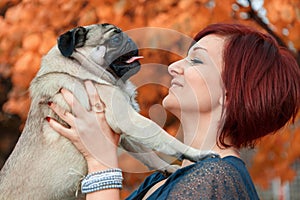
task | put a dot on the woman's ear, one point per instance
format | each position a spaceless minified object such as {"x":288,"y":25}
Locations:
{"x":223,"y":98}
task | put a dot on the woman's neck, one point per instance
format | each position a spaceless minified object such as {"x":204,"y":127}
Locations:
{"x":200,"y":131}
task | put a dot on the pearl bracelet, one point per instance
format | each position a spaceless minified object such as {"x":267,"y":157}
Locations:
{"x":101,"y":180}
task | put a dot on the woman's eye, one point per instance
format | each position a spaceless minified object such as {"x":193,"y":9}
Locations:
{"x":196,"y":61}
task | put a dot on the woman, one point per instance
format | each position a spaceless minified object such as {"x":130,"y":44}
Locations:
{"x":235,"y":86}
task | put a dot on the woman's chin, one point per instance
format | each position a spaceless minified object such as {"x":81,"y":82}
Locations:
{"x":171,"y":105}
{"x":166,"y":103}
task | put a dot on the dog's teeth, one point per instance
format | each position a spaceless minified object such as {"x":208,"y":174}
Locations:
{"x":134,"y":58}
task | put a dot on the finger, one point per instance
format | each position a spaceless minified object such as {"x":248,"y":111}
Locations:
{"x":94,"y":98}
{"x":63,"y":131}
{"x":73,"y":102}
{"x":62,"y":113}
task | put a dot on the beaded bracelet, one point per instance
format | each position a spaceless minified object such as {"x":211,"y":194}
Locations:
{"x":101,"y":180}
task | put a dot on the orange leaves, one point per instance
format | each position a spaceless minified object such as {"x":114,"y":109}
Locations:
{"x":275,"y":155}
{"x":25,"y":69}
{"x":88,"y":16}
{"x":4,"y":3}
{"x":19,"y":101}
{"x":285,"y":15}
{"x":222,"y":9}
{"x":294,"y":34}
{"x":11,"y":15}
{"x":31,"y":42}
{"x":29,"y":29}
{"x":280,"y":11}
{"x":48,"y":40}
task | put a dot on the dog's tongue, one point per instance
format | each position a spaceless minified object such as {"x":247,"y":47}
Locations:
{"x":134,"y":58}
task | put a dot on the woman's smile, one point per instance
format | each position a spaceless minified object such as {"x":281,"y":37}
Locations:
{"x":176,"y":83}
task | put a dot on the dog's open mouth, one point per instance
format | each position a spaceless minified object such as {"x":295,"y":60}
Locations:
{"x":126,"y":65}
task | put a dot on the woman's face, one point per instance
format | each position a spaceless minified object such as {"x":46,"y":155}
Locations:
{"x":197,"y":85}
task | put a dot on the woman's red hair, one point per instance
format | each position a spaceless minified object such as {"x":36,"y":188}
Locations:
{"x":262,"y":84}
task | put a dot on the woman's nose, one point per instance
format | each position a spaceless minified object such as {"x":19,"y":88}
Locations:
{"x":175,"y":68}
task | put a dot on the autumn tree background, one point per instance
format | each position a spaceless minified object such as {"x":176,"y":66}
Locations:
{"x":29,"y":28}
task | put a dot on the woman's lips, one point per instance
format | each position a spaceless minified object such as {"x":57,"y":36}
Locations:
{"x":176,"y":83}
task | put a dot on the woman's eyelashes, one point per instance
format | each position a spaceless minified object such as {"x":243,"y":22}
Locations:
{"x":195,"y":61}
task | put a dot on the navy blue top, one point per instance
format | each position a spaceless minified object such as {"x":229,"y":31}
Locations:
{"x":211,"y":178}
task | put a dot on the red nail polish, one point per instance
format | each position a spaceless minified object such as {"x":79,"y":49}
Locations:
{"x":49,"y":103}
{"x":48,"y":118}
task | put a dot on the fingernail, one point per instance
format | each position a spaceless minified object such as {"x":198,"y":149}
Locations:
{"x":48,"y":119}
{"x":50,"y":103}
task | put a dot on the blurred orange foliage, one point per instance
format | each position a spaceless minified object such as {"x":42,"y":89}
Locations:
{"x":29,"y":28}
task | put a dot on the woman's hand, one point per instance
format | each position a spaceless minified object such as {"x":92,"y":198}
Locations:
{"x":88,"y":131}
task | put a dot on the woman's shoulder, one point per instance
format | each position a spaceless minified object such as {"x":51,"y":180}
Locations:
{"x":210,"y":169}
{"x":215,"y":178}
{"x":211,"y":178}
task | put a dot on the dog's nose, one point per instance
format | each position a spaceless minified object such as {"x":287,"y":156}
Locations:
{"x":131,"y":43}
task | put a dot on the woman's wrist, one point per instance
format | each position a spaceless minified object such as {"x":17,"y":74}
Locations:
{"x":104,"y":184}
{"x":95,"y":165}
{"x":104,"y":179}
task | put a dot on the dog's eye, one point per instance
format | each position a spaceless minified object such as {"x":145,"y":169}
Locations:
{"x":115,"y":41}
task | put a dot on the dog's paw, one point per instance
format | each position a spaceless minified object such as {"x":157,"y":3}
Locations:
{"x":207,"y":154}
{"x":199,"y":155}
{"x":168,"y":170}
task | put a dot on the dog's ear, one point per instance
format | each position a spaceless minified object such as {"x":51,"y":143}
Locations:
{"x":68,"y":41}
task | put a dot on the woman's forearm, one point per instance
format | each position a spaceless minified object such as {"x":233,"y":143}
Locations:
{"x":111,"y":194}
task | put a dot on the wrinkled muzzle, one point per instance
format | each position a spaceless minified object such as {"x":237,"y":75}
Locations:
{"x":121,"y":56}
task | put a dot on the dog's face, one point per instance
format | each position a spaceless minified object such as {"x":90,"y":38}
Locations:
{"x":105,"y":45}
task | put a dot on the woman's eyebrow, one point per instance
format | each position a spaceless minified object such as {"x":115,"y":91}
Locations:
{"x":201,"y":48}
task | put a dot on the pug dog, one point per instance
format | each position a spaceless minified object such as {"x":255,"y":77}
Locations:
{"x":45,"y":165}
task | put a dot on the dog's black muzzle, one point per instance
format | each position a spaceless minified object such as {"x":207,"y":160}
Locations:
{"x":118,"y":56}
